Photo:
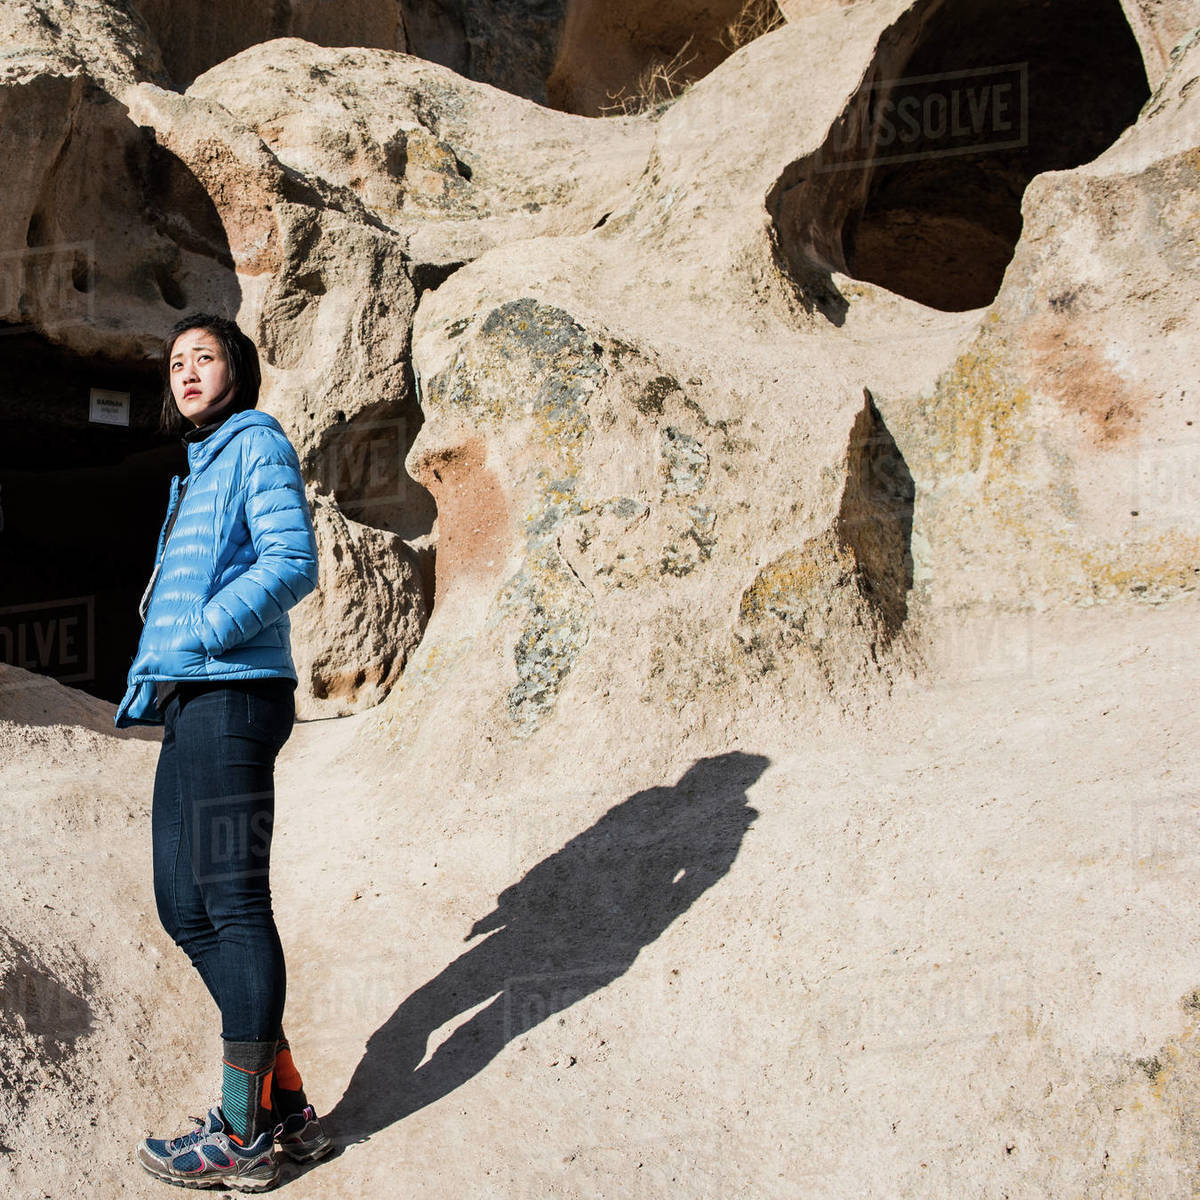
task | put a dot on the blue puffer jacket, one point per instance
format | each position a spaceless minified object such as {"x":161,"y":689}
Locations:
{"x":241,"y":553}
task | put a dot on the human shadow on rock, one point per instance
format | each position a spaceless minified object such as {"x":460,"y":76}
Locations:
{"x":573,"y":924}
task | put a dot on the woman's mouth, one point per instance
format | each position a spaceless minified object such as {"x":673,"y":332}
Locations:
{"x":191,"y":392}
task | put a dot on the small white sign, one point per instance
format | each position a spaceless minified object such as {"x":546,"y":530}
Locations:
{"x":109,"y":408}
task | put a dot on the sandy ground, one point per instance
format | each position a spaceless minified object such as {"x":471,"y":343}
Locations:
{"x":950,"y":950}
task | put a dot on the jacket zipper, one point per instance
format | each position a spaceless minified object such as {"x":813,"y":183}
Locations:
{"x":147,"y":595}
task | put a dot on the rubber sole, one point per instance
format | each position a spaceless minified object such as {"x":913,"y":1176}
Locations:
{"x":243,"y":1183}
{"x":308,"y":1156}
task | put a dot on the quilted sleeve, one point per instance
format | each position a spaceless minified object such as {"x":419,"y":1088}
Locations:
{"x":281,"y":530}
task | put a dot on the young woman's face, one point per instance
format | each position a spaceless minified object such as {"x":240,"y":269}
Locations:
{"x":200,"y":376}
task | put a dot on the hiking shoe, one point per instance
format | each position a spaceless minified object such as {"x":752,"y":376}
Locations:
{"x":208,"y":1157}
{"x":301,"y":1137}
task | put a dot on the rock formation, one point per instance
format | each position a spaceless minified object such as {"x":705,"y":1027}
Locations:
{"x":196,"y":36}
{"x":821,"y":441}
{"x":609,"y":51}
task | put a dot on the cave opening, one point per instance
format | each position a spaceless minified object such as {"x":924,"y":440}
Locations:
{"x":115,"y":241}
{"x":919,"y":187}
{"x":360,"y":462}
{"x":83,"y":487}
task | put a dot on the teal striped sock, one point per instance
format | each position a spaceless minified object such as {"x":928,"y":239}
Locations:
{"x":246,"y":1071}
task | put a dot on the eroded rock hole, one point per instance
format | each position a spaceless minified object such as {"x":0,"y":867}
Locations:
{"x":82,"y":496}
{"x":918,"y":188}
{"x":876,"y":517}
{"x":360,"y":463}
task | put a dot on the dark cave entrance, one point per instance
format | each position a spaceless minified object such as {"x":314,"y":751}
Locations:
{"x":919,"y":187}
{"x":83,"y":501}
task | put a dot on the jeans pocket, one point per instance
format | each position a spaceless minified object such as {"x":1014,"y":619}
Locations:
{"x":270,"y":711}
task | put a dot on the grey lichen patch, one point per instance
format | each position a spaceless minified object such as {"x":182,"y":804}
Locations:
{"x":601,"y":535}
{"x":1153,"y":1067}
{"x":530,"y":366}
{"x":530,"y":357}
{"x":626,"y":508}
{"x":695,"y":546}
{"x":683,"y":463}
{"x":675,"y":562}
{"x":554,"y":501}
{"x":556,"y":611}
{"x":556,"y":351}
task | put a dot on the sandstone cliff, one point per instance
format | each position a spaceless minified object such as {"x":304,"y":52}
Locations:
{"x":760,"y":546}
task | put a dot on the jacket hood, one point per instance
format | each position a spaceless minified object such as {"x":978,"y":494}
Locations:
{"x":200,"y":454}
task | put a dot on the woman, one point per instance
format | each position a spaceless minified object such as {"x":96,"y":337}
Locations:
{"x":214,"y":668}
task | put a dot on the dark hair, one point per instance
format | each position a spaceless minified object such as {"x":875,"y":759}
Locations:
{"x":245,"y":375}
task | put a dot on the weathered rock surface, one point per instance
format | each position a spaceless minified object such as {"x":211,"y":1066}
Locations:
{"x":815,"y":535}
{"x":509,"y":44}
{"x":195,"y":36}
{"x":1161,"y":26}
{"x":607,"y":46}
{"x":51,"y":37}
{"x":455,"y":170}
{"x":1060,"y":442}
{"x":366,"y":617}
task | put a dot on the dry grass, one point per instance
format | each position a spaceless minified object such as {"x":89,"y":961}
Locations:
{"x":659,"y":83}
{"x":756,"y":18}
{"x":662,"y":82}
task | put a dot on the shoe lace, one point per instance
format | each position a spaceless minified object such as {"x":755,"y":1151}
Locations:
{"x":186,"y":1140}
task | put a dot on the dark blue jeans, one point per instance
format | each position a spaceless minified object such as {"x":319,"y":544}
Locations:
{"x":212,"y":821}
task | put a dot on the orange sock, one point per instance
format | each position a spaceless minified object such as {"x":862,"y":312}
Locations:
{"x":286,"y":1074}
